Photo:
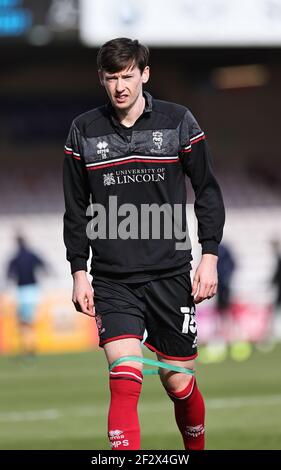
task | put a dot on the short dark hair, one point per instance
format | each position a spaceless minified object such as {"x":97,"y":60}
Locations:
{"x":119,"y":53}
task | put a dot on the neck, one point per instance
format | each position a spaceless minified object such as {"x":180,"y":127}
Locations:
{"x":128,"y":117}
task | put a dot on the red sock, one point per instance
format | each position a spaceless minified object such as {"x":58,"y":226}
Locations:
{"x":190,"y":415}
{"x":123,"y":423}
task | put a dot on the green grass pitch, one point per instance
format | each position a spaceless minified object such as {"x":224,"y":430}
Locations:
{"x":60,"y":402}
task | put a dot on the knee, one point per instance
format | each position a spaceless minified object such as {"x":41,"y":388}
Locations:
{"x":133,"y":364}
{"x":175,"y":382}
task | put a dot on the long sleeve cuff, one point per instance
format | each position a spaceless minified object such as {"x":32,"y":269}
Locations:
{"x":78,"y":264}
{"x":210,"y":247}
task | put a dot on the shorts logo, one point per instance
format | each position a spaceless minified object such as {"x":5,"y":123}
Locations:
{"x":99,"y":324}
{"x":194,"y":344}
{"x":189,"y":322}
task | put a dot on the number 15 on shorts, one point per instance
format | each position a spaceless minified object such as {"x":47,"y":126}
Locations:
{"x":189,"y":322}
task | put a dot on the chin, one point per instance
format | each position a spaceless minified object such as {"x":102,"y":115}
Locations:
{"x":122,"y":105}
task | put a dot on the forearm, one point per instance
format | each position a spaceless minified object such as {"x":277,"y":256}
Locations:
{"x":78,"y":275}
{"x":77,"y":244}
{"x":76,"y":197}
{"x":209,"y":211}
{"x":209,"y":206}
{"x":210,"y":258}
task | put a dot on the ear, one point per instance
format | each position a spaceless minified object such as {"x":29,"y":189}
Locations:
{"x":145,"y":74}
{"x":101,"y":77}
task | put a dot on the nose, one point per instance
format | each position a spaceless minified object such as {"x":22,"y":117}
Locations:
{"x":119,"y":85}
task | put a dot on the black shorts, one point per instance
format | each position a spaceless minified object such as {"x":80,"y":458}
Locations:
{"x":163,"y":307}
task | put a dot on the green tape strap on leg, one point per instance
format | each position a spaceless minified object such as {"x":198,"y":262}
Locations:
{"x":151,"y":362}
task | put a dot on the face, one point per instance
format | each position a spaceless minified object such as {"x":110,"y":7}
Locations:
{"x":124,"y":88}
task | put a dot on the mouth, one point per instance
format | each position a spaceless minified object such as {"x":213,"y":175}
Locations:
{"x":121,"y":98}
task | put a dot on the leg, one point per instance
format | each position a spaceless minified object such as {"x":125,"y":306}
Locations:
{"x":120,"y":321}
{"x":26,"y":308}
{"x":172,"y":334}
{"x":124,"y":347}
{"x":125,"y":383}
{"x":27,"y":338}
{"x":175,"y":381}
{"x":188,"y":403}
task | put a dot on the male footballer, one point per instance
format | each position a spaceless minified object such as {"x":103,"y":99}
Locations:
{"x":125,"y":197}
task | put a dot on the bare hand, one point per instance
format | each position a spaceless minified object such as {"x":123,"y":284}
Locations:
{"x":83,"y":295}
{"x":205,"y":281}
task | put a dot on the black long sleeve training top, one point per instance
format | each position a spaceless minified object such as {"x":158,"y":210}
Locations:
{"x":135,"y":179}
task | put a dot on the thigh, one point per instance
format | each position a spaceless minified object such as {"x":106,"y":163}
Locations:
{"x":170,"y":318}
{"x":27,"y":297}
{"x":119,"y":312}
{"x":124,"y":347}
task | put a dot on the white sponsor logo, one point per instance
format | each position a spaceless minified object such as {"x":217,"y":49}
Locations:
{"x":157,"y":137}
{"x":102,"y":149}
{"x":117,"y":438}
{"x":108,"y":179}
{"x":146,"y":175}
{"x":115,"y":433}
{"x":194,"y":431}
{"x":116,"y":444}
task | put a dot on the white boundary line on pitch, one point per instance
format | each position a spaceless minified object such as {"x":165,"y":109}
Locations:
{"x":212,"y":403}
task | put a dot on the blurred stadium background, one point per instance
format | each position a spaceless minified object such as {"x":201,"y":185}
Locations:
{"x":226,"y":67}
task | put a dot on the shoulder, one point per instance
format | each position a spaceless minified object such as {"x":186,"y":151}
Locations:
{"x":178,"y":116}
{"x":92,"y":117}
{"x":172,"y":111}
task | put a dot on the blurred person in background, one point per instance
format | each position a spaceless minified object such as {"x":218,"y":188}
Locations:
{"x":239,"y":349}
{"x":140,"y":149}
{"x":276,"y":281}
{"x":226,"y":268}
{"x":22,"y":270}
{"x":216,"y":349}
